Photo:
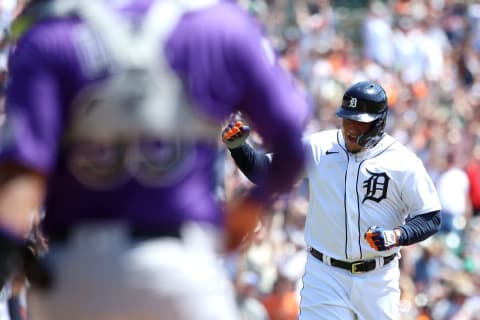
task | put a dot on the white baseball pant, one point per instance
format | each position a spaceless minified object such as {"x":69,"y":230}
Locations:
{"x":332,"y":293}
{"x":101,"y":274}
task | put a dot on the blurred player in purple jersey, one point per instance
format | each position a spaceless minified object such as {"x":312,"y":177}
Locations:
{"x":113,"y":110}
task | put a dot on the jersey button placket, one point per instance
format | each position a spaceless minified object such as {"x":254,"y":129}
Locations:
{"x":352,"y":208}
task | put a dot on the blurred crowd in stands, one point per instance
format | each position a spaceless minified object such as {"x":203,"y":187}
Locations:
{"x":426,"y":53}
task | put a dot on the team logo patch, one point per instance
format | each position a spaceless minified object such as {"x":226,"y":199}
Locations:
{"x":353,"y":103}
{"x":376,"y":186}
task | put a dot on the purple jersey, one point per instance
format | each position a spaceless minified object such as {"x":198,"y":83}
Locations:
{"x":217,"y":53}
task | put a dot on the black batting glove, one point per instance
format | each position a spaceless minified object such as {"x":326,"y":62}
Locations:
{"x":235,"y":134}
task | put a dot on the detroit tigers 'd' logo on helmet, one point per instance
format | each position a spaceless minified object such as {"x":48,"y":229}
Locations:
{"x":353,"y":103}
{"x":376,"y":186}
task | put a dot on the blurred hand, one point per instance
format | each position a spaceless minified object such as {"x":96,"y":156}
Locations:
{"x":235,"y":134}
{"x":380,"y":239}
{"x":241,"y":220}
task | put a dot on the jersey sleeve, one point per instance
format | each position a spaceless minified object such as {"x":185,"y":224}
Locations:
{"x":30,"y":134}
{"x":419,"y":192}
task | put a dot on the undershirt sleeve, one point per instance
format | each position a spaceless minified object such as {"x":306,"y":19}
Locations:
{"x":253,"y":164}
{"x":419,"y":228}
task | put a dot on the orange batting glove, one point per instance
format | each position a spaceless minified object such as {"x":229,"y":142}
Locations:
{"x":380,"y":239}
{"x":235,"y":134}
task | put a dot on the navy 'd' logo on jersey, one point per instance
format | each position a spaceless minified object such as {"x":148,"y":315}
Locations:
{"x":376,"y":186}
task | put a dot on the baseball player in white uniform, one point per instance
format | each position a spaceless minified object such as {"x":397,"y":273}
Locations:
{"x":369,"y":195}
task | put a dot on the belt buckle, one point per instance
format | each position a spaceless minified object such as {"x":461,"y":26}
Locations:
{"x":355,"y":266}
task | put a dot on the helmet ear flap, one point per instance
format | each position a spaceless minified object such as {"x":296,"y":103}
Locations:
{"x":374,"y":134}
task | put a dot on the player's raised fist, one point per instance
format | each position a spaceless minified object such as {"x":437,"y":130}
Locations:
{"x":235,"y":134}
{"x":381,"y":239}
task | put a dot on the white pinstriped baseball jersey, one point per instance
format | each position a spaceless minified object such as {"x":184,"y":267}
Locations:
{"x":350,"y":192}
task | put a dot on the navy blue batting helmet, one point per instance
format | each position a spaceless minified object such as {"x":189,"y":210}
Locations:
{"x":366,"y":102}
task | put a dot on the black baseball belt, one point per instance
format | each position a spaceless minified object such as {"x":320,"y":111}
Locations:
{"x":356,"y":266}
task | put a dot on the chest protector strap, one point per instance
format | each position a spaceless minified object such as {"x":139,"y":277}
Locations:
{"x":143,"y":97}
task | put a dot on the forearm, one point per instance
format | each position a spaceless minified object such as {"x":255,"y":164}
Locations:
{"x":419,"y":228}
{"x":253,"y":164}
{"x":21,"y":194}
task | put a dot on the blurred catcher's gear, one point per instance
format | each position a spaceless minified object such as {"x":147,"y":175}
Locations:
{"x":155,"y":111}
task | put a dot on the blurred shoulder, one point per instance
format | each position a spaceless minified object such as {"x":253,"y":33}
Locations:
{"x":220,"y":17}
{"x":46,"y":35}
